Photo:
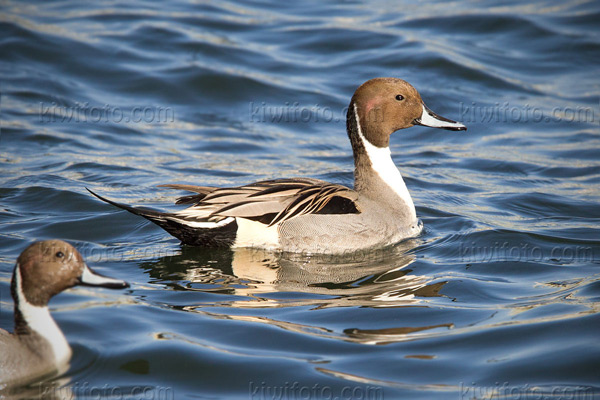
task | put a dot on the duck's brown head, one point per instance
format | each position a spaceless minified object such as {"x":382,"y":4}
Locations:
{"x":48,"y":267}
{"x":381,"y":106}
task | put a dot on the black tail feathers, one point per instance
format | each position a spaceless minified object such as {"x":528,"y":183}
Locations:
{"x":220,"y":236}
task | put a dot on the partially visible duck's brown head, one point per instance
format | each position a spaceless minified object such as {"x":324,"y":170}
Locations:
{"x":46,"y":268}
{"x":38,"y":346}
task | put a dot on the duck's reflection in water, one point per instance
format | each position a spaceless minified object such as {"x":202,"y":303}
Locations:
{"x":258,"y":278}
{"x":373,"y":279}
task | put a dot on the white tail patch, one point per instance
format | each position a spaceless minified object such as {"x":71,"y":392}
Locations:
{"x":382,"y":163}
{"x":255,"y":234}
{"x":40,"y":321}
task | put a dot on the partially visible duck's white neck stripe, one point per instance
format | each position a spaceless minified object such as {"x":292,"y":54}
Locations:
{"x":383,"y":165}
{"x":39,"y":320}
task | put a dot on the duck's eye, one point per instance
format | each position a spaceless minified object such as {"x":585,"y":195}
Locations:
{"x":399,"y":97}
{"x":60,"y":254}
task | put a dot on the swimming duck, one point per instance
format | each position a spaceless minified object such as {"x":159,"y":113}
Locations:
{"x":311,"y":215}
{"x":37,"y":347}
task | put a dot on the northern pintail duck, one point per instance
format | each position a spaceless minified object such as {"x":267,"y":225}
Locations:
{"x":38,"y":347}
{"x":310,"y":215}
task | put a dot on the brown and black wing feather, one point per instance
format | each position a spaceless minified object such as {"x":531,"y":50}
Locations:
{"x":275,"y":201}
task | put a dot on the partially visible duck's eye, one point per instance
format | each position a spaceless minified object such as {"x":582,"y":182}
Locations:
{"x":60,"y":254}
{"x":399,"y":97}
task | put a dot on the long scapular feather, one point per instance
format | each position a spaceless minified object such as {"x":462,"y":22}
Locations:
{"x":280,"y":199}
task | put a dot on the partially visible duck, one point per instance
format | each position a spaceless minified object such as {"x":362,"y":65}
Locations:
{"x":310,"y":215}
{"x":37,"y":347}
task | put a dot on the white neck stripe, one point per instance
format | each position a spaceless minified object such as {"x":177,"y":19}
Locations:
{"x":383,"y":165}
{"x":40,"y":321}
